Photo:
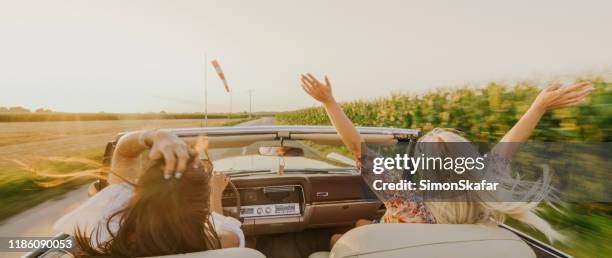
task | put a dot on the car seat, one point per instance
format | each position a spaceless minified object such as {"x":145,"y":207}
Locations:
{"x":428,"y":240}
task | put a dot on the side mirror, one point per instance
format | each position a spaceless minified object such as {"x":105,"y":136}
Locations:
{"x":281,"y":151}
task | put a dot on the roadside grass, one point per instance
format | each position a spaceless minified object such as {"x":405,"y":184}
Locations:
{"x":20,"y":192}
{"x":587,"y":226}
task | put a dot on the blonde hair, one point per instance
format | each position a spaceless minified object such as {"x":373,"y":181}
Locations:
{"x":474,"y":208}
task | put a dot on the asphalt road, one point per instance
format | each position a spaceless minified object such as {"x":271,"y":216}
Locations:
{"x":38,"y":221}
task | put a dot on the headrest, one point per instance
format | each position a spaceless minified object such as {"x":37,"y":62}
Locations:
{"x":430,"y":240}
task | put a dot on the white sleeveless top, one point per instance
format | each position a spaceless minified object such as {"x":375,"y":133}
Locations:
{"x":95,"y":212}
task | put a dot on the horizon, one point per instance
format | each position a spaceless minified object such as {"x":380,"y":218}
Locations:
{"x":148,"y":56}
{"x":31,"y":110}
{"x":605,"y":75}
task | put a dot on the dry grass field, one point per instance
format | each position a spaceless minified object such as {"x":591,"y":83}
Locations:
{"x":32,"y":141}
{"x":27,"y":140}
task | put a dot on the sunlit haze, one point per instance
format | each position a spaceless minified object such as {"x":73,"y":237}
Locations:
{"x":147,"y":56}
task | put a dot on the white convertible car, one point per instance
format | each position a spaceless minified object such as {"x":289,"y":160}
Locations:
{"x":293,"y":187}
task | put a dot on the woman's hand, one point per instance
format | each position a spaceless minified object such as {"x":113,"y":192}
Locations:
{"x":172,"y":149}
{"x":319,"y":91}
{"x":554,"y":96}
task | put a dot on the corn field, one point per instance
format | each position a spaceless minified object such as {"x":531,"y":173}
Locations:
{"x":483,"y":114}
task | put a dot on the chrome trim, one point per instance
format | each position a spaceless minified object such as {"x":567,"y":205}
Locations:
{"x":264,"y":207}
{"x":359,"y":201}
{"x":322,"y":194}
{"x":284,"y":130}
{"x":272,"y":217}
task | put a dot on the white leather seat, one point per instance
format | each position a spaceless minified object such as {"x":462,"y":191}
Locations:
{"x":225,"y":253}
{"x":427,"y":240}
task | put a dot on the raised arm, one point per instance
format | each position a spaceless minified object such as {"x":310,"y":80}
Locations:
{"x":552,"y":97}
{"x":323,"y":93}
{"x":125,"y":162}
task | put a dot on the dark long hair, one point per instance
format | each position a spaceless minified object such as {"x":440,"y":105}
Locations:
{"x":162,"y":217}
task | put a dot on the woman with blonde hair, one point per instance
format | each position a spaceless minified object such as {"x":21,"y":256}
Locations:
{"x":171,"y":206}
{"x":465,"y":208}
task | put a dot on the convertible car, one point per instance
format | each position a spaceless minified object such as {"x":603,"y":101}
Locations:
{"x":293,"y":187}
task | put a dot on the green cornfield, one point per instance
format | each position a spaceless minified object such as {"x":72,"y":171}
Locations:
{"x":483,"y":114}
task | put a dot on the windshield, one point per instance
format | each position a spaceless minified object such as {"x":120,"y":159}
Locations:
{"x":316,"y":158}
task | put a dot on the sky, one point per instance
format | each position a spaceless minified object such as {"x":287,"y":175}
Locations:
{"x":148,"y":56}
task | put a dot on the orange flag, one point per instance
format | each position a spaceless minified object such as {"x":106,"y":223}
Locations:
{"x":217,"y":67}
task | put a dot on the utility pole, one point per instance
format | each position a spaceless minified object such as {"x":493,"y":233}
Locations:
{"x":229,"y":115}
{"x":250,"y":103}
{"x":205,"y":90}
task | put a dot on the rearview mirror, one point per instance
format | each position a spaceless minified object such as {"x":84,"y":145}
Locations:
{"x":281,"y":151}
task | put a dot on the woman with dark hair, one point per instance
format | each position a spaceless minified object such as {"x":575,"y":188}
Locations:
{"x":172,"y":206}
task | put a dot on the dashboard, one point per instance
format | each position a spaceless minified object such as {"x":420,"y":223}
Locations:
{"x":291,"y":203}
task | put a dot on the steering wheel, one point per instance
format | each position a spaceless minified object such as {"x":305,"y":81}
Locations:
{"x":236,"y":213}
